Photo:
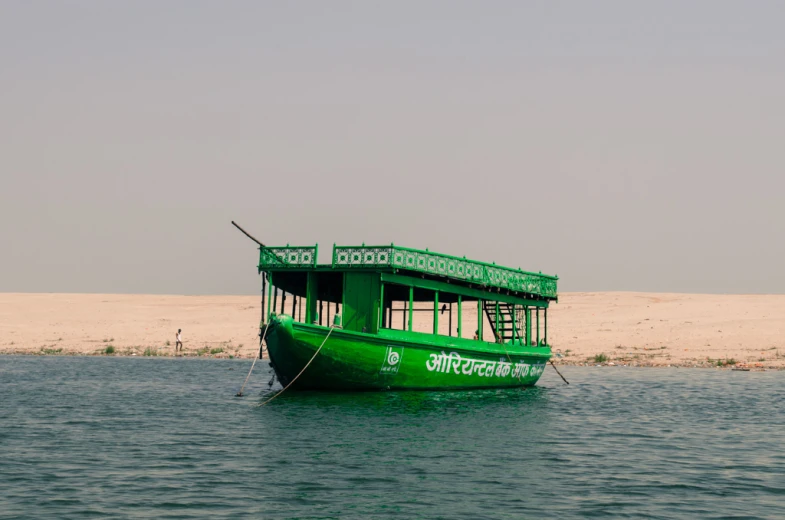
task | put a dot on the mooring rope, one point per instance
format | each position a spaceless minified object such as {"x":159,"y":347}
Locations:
{"x":303,"y":370}
{"x":557,"y":371}
{"x":240,"y":393}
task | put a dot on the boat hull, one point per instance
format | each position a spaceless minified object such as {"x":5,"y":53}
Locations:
{"x":359,"y":361}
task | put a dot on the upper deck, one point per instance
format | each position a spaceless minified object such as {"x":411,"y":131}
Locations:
{"x":392,"y":258}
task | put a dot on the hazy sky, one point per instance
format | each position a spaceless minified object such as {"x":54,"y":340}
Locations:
{"x":621,"y":145}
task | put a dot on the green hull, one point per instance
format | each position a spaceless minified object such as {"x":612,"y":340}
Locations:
{"x":396,"y":360}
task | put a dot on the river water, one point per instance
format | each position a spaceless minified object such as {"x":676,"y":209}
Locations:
{"x":89,"y":437}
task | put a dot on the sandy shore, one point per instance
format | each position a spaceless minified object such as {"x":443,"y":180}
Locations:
{"x":637,"y":329}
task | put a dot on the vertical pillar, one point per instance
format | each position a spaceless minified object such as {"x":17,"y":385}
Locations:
{"x":514,"y":325}
{"x":380,"y":319}
{"x":546,"y":324}
{"x":479,"y":319}
{"x":496,"y":328}
{"x":538,"y":325}
{"x":449,"y":322}
{"x":312,"y":297}
{"x":283,"y":301}
{"x":436,"y":312}
{"x":264,"y":294}
{"x":411,"y":308}
{"x":269,"y":299}
{"x":460,"y":316}
{"x":528,"y":325}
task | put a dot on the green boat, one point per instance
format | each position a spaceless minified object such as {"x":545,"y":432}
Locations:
{"x":394,"y":318}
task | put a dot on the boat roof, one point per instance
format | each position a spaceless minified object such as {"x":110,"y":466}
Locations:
{"x":392,"y":258}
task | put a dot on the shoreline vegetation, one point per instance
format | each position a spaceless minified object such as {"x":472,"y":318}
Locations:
{"x":585,"y":329}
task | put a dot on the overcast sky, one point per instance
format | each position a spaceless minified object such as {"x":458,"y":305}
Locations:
{"x":621,"y":145}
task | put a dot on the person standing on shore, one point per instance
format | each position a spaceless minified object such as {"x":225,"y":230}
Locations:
{"x":178,"y":344}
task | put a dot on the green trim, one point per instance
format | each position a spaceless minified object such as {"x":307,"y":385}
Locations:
{"x":287,"y":257}
{"x":490,"y":275}
{"x":435,"y":285}
{"x":392,"y":257}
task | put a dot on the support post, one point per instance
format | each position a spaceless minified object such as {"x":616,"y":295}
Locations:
{"x":545,"y":325}
{"x":449,"y":322}
{"x":294,"y":307}
{"x":269,"y":298}
{"x":312,"y":297}
{"x":538,"y":325}
{"x":514,"y":326}
{"x":264,"y":294}
{"x":498,"y":335}
{"x":479,"y":318}
{"x":528,"y":325}
{"x":436,"y":312}
{"x":380,"y":319}
{"x":411,"y":308}
{"x":460,"y":316}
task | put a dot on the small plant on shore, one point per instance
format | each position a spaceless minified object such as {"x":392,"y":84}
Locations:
{"x":216,"y":350}
{"x":168,"y":343}
{"x":109,"y":350}
{"x":231,"y":356}
{"x":240,"y":346}
{"x":600,"y":358}
{"x":149,"y":351}
{"x":730,"y":361}
{"x":51,"y":351}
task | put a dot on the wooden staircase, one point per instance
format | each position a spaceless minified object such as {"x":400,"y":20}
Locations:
{"x":504,"y":327}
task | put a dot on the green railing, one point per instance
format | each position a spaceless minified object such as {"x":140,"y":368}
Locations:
{"x":287,"y":257}
{"x":490,"y":275}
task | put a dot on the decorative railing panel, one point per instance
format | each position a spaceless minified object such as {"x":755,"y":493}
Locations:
{"x":287,"y":257}
{"x":445,"y":265}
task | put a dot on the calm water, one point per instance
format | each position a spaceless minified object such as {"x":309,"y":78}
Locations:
{"x":165,"y":438}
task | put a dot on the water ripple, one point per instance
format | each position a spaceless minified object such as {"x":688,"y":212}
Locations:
{"x":165,"y":438}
